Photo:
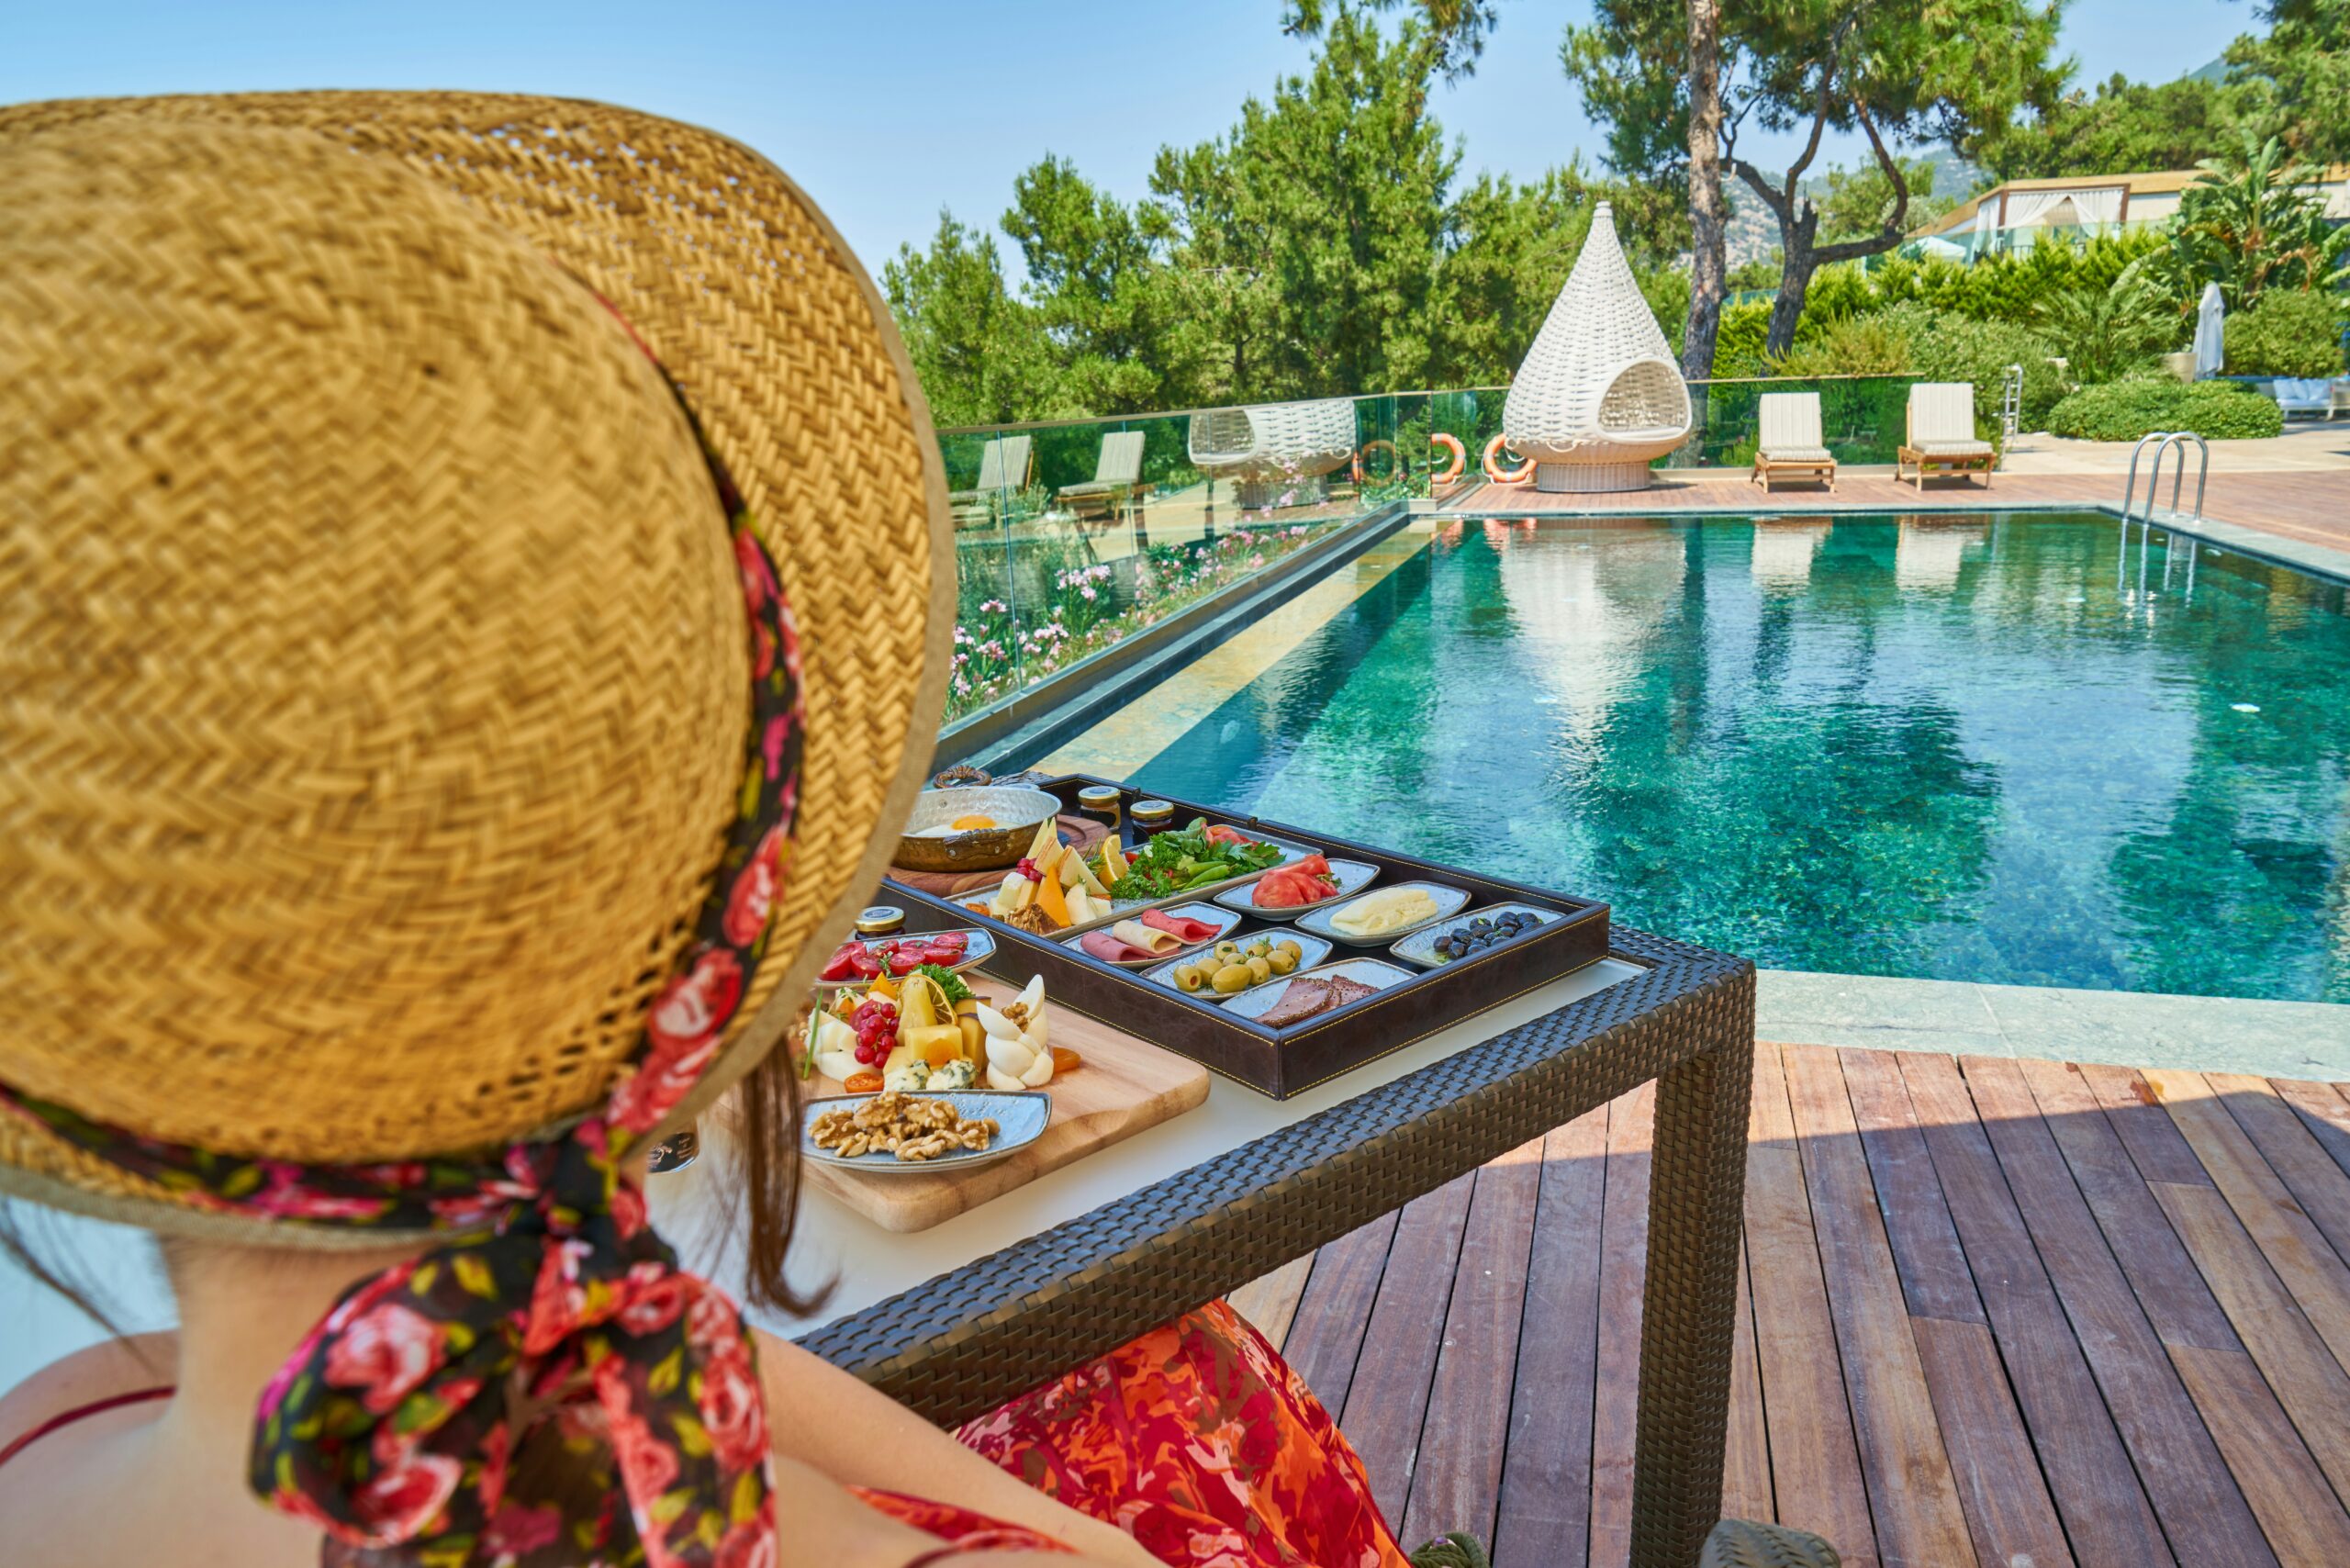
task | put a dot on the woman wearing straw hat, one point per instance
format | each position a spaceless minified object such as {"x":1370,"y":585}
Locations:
{"x":447,"y":699}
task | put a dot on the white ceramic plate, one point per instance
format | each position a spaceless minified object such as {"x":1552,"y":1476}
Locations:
{"x":1021,"y":1116}
{"x":1224,"y":920}
{"x":1311,"y":950}
{"x":1352,"y":877}
{"x":1376,"y":973}
{"x":1419,"y":947}
{"x":1318,"y":919}
{"x":982,"y":948}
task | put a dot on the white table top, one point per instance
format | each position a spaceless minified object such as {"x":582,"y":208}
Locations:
{"x":867,"y":1264}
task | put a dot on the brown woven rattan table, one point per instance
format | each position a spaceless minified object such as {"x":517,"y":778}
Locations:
{"x":998,"y":1325}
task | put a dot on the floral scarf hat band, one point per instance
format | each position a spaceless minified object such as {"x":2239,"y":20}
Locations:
{"x":393,"y":1424}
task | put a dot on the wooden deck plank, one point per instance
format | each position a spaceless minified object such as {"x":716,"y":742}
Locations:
{"x":1388,"y":1403}
{"x":1623,"y":1268}
{"x":1325,"y":1340}
{"x":1815,"y":1462}
{"x":2282,"y":1482}
{"x":1543,"y":1519}
{"x":1934,"y":1276}
{"x":2324,"y":1110}
{"x":2008,"y":1497}
{"x":2174,"y":1296}
{"x":2202,"y":1512}
{"x":2308,"y":1380}
{"x":2157,"y":1146}
{"x":2301,"y":1257}
{"x":1456,"y":1481}
{"x":1269,"y":1300}
{"x":1746,"y":1461}
{"x":1913,"y":1495}
{"x":2321,"y":1189}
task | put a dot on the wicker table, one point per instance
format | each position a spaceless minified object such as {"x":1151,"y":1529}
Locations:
{"x":957,"y":1319}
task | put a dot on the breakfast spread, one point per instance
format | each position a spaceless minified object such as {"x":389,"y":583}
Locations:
{"x":894,"y":1123}
{"x":1051,"y":889}
{"x":1386,"y":910}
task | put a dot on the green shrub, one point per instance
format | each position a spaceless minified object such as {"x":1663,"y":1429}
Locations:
{"x":2287,"y":331}
{"x":2124,"y":410}
{"x":1857,"y":345}
{"x":1737,"y":347}
{"x":1946,"y":346}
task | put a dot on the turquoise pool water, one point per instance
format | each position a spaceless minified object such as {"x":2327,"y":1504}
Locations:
{"x":2000,"y":747}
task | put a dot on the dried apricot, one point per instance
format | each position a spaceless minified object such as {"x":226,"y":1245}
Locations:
{"x":1066,"y":1061}
{"x":863,"y":1083}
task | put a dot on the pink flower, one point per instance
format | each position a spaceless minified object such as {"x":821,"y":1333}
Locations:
{"x":750,"y":1544}
{"x":762,"y":650}
{"x":647,"y":1464}
{"x":399,"y":1503}
{"x":713,"y":1328}
{"x":655,"y":1298}
{"x":684,"y":1027}
{"x":558,"y":1301}
{"x":496,"y":1449}
{"x":516,"y":1531}
{"x":466,"y":1211}
{"x":758,"y":580}
{"x":779,"y":729}
{"x":386,"y":1351}
{"x":288,"y":1197}
{"x":752,"y":897}
{"x":628,"y":1211}
{"x":734,"y":1412}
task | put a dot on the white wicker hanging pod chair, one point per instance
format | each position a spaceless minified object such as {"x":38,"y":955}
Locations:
{"x":1599,"y":395}
{"x":1275,"y":454}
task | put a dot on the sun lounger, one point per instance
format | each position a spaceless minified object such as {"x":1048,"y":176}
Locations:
{"x":1790,"y":443}
{"x":1941,"y":435}
{"x":1117,"y":475}
{"x":1004,"y":465}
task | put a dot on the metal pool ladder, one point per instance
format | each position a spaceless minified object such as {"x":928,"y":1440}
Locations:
{"x":2167,"y":440}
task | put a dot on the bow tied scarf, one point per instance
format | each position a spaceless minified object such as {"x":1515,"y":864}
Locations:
{"x":559,"y":1319}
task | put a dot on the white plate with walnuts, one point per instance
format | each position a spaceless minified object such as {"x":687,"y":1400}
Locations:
{"x":898,"y":1133}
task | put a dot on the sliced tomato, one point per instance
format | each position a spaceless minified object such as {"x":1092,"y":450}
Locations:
{"x":865,"y":1082}
{"x":853,"y":960}
{"x":1220,"y":833}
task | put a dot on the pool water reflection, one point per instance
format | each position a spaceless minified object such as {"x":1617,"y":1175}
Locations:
{"x":1985,"y":746}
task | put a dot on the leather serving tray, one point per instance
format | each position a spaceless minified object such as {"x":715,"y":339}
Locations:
{"x":1282,"y":1062}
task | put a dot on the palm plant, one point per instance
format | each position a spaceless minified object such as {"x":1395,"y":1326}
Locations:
{"x":2105,"y":333}
{"x":2254,"y":223}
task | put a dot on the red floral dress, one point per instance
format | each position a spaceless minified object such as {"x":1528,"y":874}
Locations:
{"x":1198,"y":1440}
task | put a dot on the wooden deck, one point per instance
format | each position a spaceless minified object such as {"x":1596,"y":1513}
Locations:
{"x":2004,"y":1313}
{"x":2311,"y":505}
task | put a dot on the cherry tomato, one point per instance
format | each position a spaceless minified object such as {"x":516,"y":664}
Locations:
{"x":863,"y":1083}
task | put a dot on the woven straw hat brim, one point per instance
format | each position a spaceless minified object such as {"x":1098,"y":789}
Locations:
{"x":755,"y":306}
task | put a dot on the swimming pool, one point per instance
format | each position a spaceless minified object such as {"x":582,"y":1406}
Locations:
{"x":1988,"y":746}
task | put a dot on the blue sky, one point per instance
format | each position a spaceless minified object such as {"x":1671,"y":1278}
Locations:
{"x":888,"y":109}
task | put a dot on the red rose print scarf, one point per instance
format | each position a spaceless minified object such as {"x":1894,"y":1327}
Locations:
{"x":562,"y":1341}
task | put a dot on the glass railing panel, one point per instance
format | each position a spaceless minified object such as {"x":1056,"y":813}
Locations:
{"x":1862,"y":417}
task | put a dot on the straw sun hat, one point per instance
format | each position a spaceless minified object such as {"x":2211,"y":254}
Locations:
{"x":412,"y":793}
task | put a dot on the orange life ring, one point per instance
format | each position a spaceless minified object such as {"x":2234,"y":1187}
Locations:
{"x":1459,"y":457}
{"x":1499,"y":475}
{"x":1394,"y":458}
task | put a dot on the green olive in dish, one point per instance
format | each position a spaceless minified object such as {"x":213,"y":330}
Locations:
{"x":1259,"y":971}
{"x":1189,"y":977}
{"x":1283,"y":959}
{"x":1231,"y":978}
{"x":1227,"y":952}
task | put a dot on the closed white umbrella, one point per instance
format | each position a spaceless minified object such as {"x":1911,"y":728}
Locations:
{"x":2210,"y":352}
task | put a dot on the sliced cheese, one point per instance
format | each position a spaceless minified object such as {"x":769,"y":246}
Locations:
{"x":1149,"y":939}
{"x":1050,"y":899}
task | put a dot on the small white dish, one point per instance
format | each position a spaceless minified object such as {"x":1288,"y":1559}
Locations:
{"x":1224,"y":920}
{"x":1352,"y":877}
{"x":1419,"y":946}
{"x":979,"y":948}
{"x":1448,"y":903}
{"x":1311,"y":950}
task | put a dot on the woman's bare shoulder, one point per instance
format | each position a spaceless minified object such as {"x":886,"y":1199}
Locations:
{"x":101,"y":1371}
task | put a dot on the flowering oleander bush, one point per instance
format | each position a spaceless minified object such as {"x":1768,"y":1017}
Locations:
{"x":1000,"y":647}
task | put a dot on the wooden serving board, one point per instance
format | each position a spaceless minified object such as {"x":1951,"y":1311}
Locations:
{"x":1125,"y":1084}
